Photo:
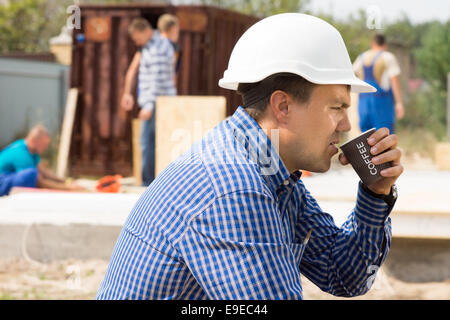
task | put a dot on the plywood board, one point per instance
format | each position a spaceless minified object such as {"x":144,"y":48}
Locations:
{"x":181,"y":121}
{"x":66,"y":132}
{"x":137,"y":153}
{"x":442,"y":155}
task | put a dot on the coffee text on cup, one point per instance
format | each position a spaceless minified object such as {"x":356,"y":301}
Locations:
{"x":365,"y":156}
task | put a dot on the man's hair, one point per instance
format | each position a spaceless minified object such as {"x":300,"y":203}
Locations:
{"x":379,"y":39}
{"x":37,"y":132}
{"x":166,"y":22}
{"x":139,"y":25}
{"x":256,"y":96}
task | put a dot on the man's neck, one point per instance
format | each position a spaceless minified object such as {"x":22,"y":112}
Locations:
{"x":30,"y":146}
{"x":270,"y":128}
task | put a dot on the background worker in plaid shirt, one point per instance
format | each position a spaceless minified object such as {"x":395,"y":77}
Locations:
{"x":156,"y":78}
{"x":231,"y":218}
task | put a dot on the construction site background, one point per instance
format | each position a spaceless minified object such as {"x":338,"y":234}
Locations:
{"x":39,"y":266}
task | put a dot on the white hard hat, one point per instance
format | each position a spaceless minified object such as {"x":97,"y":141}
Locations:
{"x":294,"y":43}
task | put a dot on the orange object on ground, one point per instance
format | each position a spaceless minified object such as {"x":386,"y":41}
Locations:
{"x":306,"y":173}
{"x":109,"y":184}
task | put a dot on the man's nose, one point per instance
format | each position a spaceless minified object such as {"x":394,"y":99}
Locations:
{"x":344,"y":125}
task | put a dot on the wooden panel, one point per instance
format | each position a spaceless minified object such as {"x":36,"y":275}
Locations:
{"x":181,"y":121}
{"x":185,"y":72}
{"x":66,"y":132}
{"x":104,"y":86}
{"x":137,"y":153}
{"x":192,"y":21}
{"x":442,"y":155}
{"x":86,"y":121}
{"x":102,"y":132}
{"x":120,"y":121}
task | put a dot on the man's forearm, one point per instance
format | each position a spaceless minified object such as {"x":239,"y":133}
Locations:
{"x":130,"y":77}
{"x":49,"y":175}
{"x":129,"y":81}
{"x":51,"y":184}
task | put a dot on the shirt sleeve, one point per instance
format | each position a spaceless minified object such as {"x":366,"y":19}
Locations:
{"x":357,"y":67}
{"x":341,"y":261}
{"x":235,"y":250}
{"x":392,"y":66}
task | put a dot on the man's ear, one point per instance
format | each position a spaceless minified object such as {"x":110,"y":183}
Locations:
{"x":279,"y":105}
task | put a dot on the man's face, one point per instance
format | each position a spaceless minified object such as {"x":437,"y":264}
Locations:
{"x":314,"y":127}
{"x":174,"y":33}
{"x":42,"y":144}
{"x":141,"y":38}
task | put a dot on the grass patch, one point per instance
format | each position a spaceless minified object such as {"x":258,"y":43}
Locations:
{"x":6,"y":296}
{"x":418,"y":141}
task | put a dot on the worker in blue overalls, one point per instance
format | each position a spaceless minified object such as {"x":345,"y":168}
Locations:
{"x":379,"y":68}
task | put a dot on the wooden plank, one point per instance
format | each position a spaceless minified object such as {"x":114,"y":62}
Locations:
{"x":66,"y":132}
{"x":192,"y":21}
{"x":122,"y":62}
{"x":137,"y":154}
{"x":185,"y":72}
{"x":88,"y":101}
{"x":122,"y":149}
{"x":181,"y":121}
{"x":103,"y":113}
{"x":442,"y":155}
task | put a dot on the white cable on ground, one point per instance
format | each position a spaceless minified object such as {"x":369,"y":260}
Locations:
{"x":24,"y":247}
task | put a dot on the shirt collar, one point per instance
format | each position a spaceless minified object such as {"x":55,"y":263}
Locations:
{"x":261,"y":150}
{"x":155,"y":37}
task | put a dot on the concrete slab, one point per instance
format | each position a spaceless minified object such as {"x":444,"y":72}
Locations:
{"x":67,"y":208}
{"x":53,"y":226}
{"x":419,"y":191}
{"x":422,"y":209}
{"x":45,"y":227}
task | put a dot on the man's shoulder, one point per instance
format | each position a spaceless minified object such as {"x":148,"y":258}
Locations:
{"x":14,"y":147}
{"x":226,"y":163}
{"x":389,"y":57}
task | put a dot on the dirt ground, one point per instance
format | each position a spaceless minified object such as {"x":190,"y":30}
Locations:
{"x":75,"y":279}
{"x":414,"y":270}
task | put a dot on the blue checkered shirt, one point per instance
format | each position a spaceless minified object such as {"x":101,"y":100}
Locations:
{"x":156,"y":71}
{"x":226,"y":220}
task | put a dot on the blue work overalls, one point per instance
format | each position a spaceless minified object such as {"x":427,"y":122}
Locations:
{"x":376,"y":109}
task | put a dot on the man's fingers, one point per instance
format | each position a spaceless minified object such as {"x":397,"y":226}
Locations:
{"x":377,"y":136}
{"x":343,"y":159}
{"x":392,"y":172}
{"x":391,"y":155}
{"x":388,"y":142}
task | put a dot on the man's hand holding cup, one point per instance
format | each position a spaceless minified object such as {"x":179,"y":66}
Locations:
{"x":376,"y":159}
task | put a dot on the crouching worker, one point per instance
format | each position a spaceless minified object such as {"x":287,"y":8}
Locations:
{"x":20,"y":165}
{"x":231,"y":218}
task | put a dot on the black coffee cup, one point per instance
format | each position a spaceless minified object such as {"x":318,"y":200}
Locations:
{"x":357,"y":151}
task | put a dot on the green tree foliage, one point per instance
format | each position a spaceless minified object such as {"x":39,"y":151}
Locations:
{"x":433,"y":62}
{"x":259,"y":8}
{"x":27,"y":25}
{"x":433,"y":56}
